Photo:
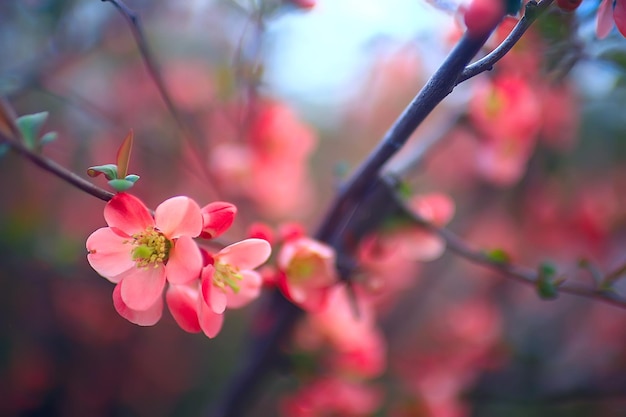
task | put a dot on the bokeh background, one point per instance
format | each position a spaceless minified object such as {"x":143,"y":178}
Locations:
{"x":462,"y":341}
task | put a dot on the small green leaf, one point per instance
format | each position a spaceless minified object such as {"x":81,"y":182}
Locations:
{"x":120,"y":185}
{"x":109,"y":171}
{"x":123,"y":155}
{"x":132,"y":178}
{"x":4,"y":148}
{"x":29,"y":126}
{"x":48,"y":137}
{"x":498,"y":256}
{"x":547,"y":287}
{"x":404,"y":189}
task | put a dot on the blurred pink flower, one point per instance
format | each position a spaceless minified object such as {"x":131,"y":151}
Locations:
{"x":611,"y":13}
{"x":229,"y":281}
{"x":139,"y":252}
{"x":307,"y":272}
{"x":332,"y":396}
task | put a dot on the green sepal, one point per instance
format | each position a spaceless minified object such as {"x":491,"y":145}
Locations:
{"x":498,"y":256}
{"x":547,"y":287}
{"x":29,"y":126}
{"x":120,"y":185}
{"x":109,"y":171}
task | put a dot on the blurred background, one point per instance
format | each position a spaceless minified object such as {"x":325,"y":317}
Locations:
{"x":276,"y":104}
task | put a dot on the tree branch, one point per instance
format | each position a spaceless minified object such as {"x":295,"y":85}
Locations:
{"x":532,"y":12}
{"x":56,"y":169}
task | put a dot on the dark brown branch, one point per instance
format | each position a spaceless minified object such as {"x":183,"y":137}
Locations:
{"x":533,"y":11}
{"x":56,"y":169}
{"x":137,"y":31}
{"x":520,"y":273}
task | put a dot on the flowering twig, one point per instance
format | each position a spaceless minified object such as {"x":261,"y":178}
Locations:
{"x":136,"y":28}
{"x":55,"y":169}
{"x":533,"y":10}
{"x":338,"y":217}
{"x":520,"y":273}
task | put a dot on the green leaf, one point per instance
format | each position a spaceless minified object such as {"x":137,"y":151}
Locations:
{"x":498,"y":256}
{"x":109,"y":171}
{"x":29,"y":126}
{"x":547,"y":287}
{"x":48,"y":137}
{"x":4,"y":148}
{"x":123,"y":155}
{"x":132,"y":178}
{"x":120,"y":185}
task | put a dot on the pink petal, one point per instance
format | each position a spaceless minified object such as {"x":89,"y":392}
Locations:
{"x":247,"y":254}
{"x":179,"y":216}
{"x":127,"y":213}
{"x":147,"y":317}
{"x":212,"y":296}
{"x":210,"y":322}
{"x":108,"y":255}
{"x":182,"y":301}
{"x":619,"y":14}
{"x":604,"y":22}
{"x":250,"y":289}
{"x":421,"y":245}
{"x":141,"y":287}
{"x":217,"y":217}
{"x":185,"y":261}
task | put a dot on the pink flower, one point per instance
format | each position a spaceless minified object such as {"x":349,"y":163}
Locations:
{"x":611,"y":12}
{"x":140,"y":253}
{"x":228,"y":280}
{"x":217,"y":217}
{"x":308,"y":272}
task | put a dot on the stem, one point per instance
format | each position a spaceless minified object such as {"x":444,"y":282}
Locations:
{"x":137,"y":31}
{"x":56,"y":169}
{"x":436,"y":89}
{"x":532,"y":12}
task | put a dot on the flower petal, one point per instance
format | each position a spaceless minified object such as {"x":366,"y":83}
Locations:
{"x":147,"y":317}
{"x":212,"y":296}
{"x":604,"y":22}
{"x":210,"y":322}
{"x":179,"y":216}
{"x":249,"y":289}
{"x":141,"y":287}
{"x":217,"y":217}
{"x":108,"y":254}
{"x":619,"y":14}
{"x":182,"y":301}
{"x":127,"y":213}
{"x":185,"y":261}
{"x":247,"y":254}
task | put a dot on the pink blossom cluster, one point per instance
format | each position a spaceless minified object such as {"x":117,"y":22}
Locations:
{"x":514,"y":108}
{"x":267,"y":163}
{"x":144,"y":255}
{"x":341,"y":328}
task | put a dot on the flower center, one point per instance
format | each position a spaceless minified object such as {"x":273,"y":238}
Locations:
{"x":302,"y":268}
{"x":227,"y":276}
{"x":151,"y":248}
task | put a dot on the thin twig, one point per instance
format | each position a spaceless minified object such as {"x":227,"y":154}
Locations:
{"x":533,"y":11}
{"x":56,"y":169}
{"x":136,"y":27}
{"x":520,"y":273}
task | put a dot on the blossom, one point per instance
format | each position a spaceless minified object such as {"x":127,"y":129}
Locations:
{"x":227,"y":280}
{"x":610,"y":13}
{"x":139,"y":252}
{"x":307,"y":272}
